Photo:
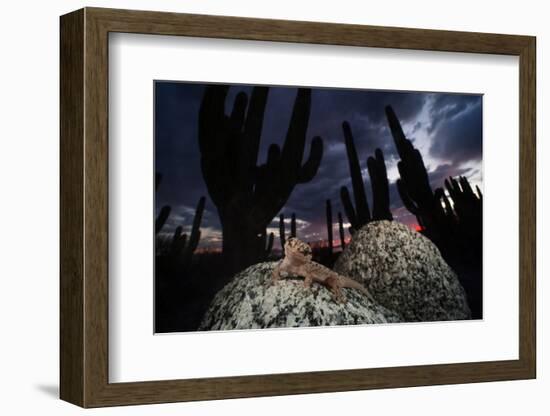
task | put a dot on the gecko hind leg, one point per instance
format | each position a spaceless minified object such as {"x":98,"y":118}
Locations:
{"x":337,"y":295}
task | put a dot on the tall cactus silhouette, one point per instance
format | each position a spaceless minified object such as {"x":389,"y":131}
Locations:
{"x":183,"y":246}
{"x":246,"y":195}
{"x":293,"y":225}
{"x":413,"y":183}
{"x":329,"y":227}
{"x":269,"y":240}
{"x":361,"y":214}
{"x":282,"y":229}
{"x":380,"y":187}
{"x":342,"y":231}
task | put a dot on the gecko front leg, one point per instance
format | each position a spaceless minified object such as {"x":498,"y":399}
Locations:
{"x":276,"y":274}
{"x":308,"y":280}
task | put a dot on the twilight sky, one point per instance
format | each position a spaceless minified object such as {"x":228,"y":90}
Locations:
{"x":446,"y":128}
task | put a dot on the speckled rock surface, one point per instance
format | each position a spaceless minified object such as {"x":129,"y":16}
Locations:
{"x":251,"y":301}
{"x":405,"y":272}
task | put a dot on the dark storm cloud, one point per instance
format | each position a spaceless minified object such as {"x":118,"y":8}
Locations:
{"x":442,"y":172}
{"x":456,"y":127}
{"x":443,"y":120}
{"x":176,"y":145}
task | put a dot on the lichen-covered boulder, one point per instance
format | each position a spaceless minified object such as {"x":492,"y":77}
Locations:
{"x":250,"y":300}
{"x":405,"y":272}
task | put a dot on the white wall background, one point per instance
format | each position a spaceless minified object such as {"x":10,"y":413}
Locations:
{"x":29,"y":84}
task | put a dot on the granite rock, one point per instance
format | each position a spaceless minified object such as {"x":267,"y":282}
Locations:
{"x":405,"y":272}
{"x":251,"y":301}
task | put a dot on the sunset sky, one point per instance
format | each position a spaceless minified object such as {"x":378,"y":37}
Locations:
{"x":446,"y":128}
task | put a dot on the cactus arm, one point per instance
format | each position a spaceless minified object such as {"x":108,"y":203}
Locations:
{"x":479,"y":194}
{"x":397,"y":132}
{"x":162,"y":218}
{"x":270,"y":244}
{"x":293,"y":148}
{"x":164,"y":211}
{"x":453,"y":188}
{"x":447,"y":204}
{"x":362,"y":211}
{"x":282,"y":231}
{"x":215,"y":144}
{"x":265,"y":244}
{"x":407,"y":201}
{"x":238,"y":113}
{"x":195,"y":236}
{"x":342,"y":231}
{"x":195,"y":229}
{"x":310,"y":168}
{"x":380,"y":187}
{"x":193,"y":243}
{"x":212,"y":121}
{"x":348,"y":207}
{"x":178,"y":242}
{"x":293,"y":225}
{"x":266,"y":173}
{"x":250,"y":145}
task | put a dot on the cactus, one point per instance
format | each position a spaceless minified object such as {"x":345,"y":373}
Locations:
{"x":267,"y":250}
{"x":453,"y":223}
{"x":467,"y":203}
{"x":466,"y":211}
{"x":329,"y":227}
{"x":413,"y":184}
{"x":360,"y":214}
{"x":380,"y":187}
{"x":248,"y":196}
{"x":182,"y":247}
{"x":342,"y":231}
{"x":282,"y":229}
{"x":164,"y":211}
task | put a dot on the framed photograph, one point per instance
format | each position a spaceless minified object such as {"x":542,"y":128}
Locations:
{"x":262,"y":207}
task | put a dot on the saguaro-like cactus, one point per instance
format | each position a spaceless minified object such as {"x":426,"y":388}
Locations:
{"x":329,"y":227}
{"x":282,"y":229}
{"x":342,"y":231}
{"x":413,"y":183}
{"x":293,"y":225}
{"x":182,"y":246}
{"x":380,"y":187}
{"x":361,"y":214}
{"x":248,"y":196}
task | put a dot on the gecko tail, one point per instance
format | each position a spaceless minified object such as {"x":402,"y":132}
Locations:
{"x":356,"y":285}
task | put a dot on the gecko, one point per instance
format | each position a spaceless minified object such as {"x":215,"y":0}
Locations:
{"x":298,"y":262}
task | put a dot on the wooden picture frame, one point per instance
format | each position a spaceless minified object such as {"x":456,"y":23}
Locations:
{"x":84,"y":207}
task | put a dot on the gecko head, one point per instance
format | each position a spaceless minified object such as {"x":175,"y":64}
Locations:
{"x":295,"y":246}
